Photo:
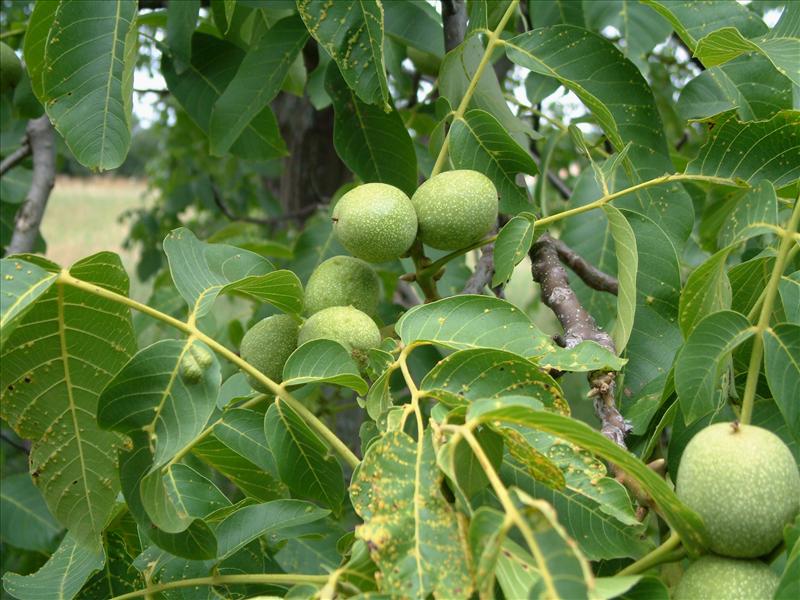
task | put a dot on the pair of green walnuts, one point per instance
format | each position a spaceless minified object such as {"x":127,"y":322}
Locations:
{"x":744,"y":483}
{"x":376,"y":223}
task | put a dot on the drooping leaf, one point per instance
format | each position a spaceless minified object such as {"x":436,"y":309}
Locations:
{"x":118,"y":575}
{"x":638,"y":26}
{"x":373,"y":142}
{"x":583,"y":474}
{"x":303,"y":460}
{"x":729,"y":86}
{"x":564,"y":571}
{"x":627,"y":266}
{"x":789,"y":290}
{"x":707,"y":291}
{"x":352,"y":34}
{"x":242,"y":430}
{"x":256,"y":83}
{"x":757,"y":207}
{"x":181,"y":21}
{"x":35,"y":43}
{"x":462,"y":322}
{"x":55,"y":365}
{"x":25,"y":520}
{"x":61,"y":577}
{"x":538,"y":87}
{"x":693,"y":20}
{"x":251,"y":479}
{"x":83,"y":62}
{"x":203,"y":271}
{"x":655,"y":337}
{"x":462,"y":465}
{"x":586,"y":356}
{"x":599,"y":534}
{"x":782,"y":362}
{"x":751,"y":151}
{"x":415,"y":23}
{"x":411,"y":530}
{"x":679,"y":517}
{"x":323,"y":361}
{"x":153,"y":394}
{"x":23,"y":284}
{"x":250,"y":522}
{"x":530,"y":460}
{"x":748,"y":280}
{"x":459,"y":67}
{"x":789,"y":585}
{"x":479,"y":142}
{"x":487,"y":531}
{"x":699,"y":365}
{"x":511,"y":246}
{"x":490,"y":373}
{"x":192,"y":538}
{"x":213,"y":66}
{"x":727,"y":43}
{"x":515,"y":573}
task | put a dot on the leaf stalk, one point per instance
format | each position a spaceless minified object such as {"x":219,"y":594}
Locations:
{"x":190,"y":329}
{"x":757,"y":353}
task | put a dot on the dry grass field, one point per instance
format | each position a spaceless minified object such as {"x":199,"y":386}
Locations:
{"x":83,"y":217}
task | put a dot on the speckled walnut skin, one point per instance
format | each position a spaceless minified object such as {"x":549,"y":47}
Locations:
{"x":743,"y":481}
{"x":455,"y":209}
{"x":376,"y":222}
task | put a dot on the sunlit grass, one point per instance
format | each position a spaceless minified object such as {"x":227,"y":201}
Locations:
{"x":83,"y":217}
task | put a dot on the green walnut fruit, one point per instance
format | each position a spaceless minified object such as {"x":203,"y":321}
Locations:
{"x":455,"y":209}
{"x":10,"y":68}
{"x":726,"y":579}
{"x":352,"y":328}
{"x":343,"y":281}
{"x":267,"y":345}
{"x":375,"y":222}
{"x":743,"y":481}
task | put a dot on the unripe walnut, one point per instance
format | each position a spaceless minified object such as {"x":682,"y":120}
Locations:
{"x":743,"y":481}
{"x":352,"y":328}
{"x":343,"y":281}
{"x":267,"y":345}
{"x":455,"y":209}
{"x":375,"y":222}
{"x":726,"y":579}
{"x":10,"y":68}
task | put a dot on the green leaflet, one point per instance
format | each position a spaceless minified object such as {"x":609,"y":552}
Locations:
{"x":410,"y":528}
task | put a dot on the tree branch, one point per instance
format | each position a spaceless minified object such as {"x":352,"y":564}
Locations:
{"x":16,"y":157}
{"x":299,"y":215}
{"x":454,"y":20}
{"x":29,"y":217}
{"x":578,"y":326}
{"x":591,"y":275}
{"x":483,"y":273}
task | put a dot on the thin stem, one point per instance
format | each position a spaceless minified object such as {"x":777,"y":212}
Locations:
{"x":424,"y":276}
{"x":434,"y":267}
{"x":508,"y":504}
{"x":669,"y":551}
{"x":12,"y":33}
{"x":757,"y":306}
{"x":491,"y":42}
{"x":247,"y":578}
{"x":634,"y":188}
{"x":190,"y":329}
{"x":763,"y":320}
